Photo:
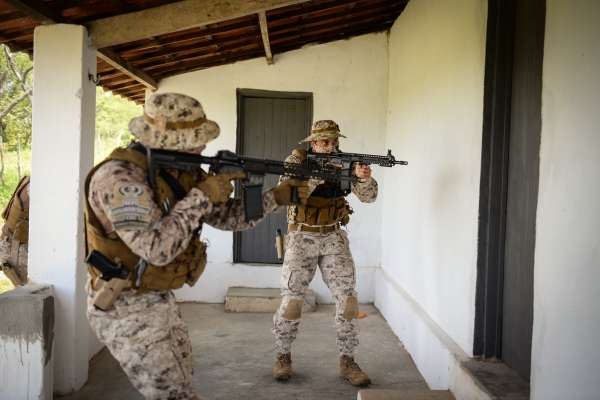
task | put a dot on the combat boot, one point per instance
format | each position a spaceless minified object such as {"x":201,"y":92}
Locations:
{"x":282,"y":370}
{"x":351,"y":372}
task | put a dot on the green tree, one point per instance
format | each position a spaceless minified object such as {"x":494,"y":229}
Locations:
{"x":113,"y":114}
{"x":15,"y":106}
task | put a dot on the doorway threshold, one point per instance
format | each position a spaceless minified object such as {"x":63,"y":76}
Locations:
{"x":497,"y":379}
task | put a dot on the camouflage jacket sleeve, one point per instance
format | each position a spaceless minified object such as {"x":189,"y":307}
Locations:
{"x":366,"y":191}
{"x":120,"y":197}
{"x":231,"y":217}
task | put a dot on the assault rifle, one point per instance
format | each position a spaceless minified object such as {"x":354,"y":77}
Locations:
{"x":255,"y":168}
{"x":347,"y":160}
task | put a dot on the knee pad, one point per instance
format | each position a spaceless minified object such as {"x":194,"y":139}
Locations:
{"x":350,"y":308}
{"x":293,"y":309}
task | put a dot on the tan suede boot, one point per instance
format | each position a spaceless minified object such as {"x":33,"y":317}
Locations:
{"x":282,"y":370}
{"x":351,"y":372}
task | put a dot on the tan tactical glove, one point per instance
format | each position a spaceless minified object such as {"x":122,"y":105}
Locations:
{"x":218,"y":188}
{"x":283,"y":191}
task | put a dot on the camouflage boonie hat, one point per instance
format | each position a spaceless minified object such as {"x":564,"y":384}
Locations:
{"x":324,"y":129}
{"x":173,"y":121}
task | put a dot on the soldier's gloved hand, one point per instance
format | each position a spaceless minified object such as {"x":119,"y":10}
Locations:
{"x":218,"y":188}
{"x":283,"y":191}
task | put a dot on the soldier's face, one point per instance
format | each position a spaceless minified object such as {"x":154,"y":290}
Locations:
{"x":324,"y":146}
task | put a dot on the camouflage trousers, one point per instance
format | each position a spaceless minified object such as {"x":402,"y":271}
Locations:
{"x":147,"y":336}
{"x":304,"y":252}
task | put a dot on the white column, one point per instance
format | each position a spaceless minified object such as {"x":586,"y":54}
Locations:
{"x":64,"y":102}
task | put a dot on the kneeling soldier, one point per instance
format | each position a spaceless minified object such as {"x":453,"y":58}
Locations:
{"x":315,"y":237}
{"x":154,"y":234}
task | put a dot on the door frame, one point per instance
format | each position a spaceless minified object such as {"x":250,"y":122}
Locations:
{"x":494,"y":178}
{"x":498,"y":88}
{"x":239,"y":147}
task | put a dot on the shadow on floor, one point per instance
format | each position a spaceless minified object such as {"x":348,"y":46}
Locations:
{"x":233,"y":356}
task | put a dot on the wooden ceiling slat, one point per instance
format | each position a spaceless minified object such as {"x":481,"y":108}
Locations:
{"x":334,"y":8}
{"x":289,"y":11}
{"x":178,"y":38}
{"x":192,"y":43}
{"x":254,"y":47}
{"x":134,"y":85}
{"x":218,"y":43}
{"x":371,"y":23}
{"x":191,"y":53}
{"x":212,"y":61}
{"x":128,"y":92}
{"x":335,"y":22}
{"x":346,"y":9}
{"x":333,"y":35}
{"x":116,"y":81}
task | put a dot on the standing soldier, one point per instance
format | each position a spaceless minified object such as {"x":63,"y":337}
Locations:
{"x":315,"y":237}
{"x":153,"y":233}
{"x":14,"y":237}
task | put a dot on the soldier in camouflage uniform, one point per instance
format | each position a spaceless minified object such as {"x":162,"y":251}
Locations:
{"x":14,"y":237}
{"x":315,"y":237}
{"x":134,"y":224}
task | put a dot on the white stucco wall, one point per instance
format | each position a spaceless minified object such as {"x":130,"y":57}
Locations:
{"x":430,"y":207}
{"x":349,"y":82}
{"x":566,"y":326}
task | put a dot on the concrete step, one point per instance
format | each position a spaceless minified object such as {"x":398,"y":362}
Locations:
{"x":241,"y":299}
{"x":381,"y":394}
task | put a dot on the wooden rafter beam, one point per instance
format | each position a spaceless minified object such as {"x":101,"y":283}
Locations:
{"x":112,"y":58}
{"x":40,"y":11}
{"x":173,"y":17}
{"x":264,"y":31}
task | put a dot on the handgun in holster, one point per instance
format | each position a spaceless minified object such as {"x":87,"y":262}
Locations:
{"x":113,"y":281}
{"x":12,"y":274}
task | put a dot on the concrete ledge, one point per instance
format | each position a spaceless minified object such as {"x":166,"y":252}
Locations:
{"x":26,"y":336}
{"x":438,"y":358}
{"x":243,"y":299}
{"x":497,"y":380}
{"x":378,"y":394}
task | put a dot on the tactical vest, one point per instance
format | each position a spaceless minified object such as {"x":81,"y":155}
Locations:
{"x":185,"y":268}
{"x":323,"y":211}
{"x":16,"y":214}
{"x":326,"y":206}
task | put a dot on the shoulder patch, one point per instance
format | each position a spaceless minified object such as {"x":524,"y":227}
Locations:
{"x":130,"y":207}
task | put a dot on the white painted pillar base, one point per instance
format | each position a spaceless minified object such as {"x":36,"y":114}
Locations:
{"x":64,"y":101}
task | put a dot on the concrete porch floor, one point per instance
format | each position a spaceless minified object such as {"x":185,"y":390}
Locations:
{"x":233,"y":355}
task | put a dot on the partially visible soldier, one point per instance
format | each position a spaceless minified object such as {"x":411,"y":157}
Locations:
{"x":15,"y":232}
{"x":315,"y":237}
{"x":155,"y":234}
